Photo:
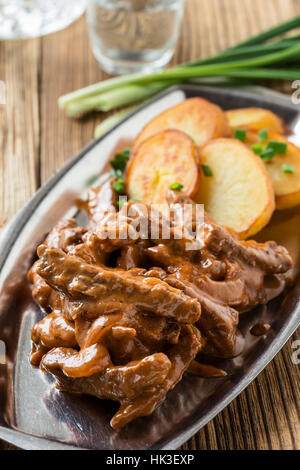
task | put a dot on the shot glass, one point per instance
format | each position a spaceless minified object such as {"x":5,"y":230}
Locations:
{"x":133,"y":35}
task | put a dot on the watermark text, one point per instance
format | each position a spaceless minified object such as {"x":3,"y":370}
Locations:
{"x":296,"y":94}
{"x":296,"y":353}
{"x":135,"y":221}
{"x":2,"y":352}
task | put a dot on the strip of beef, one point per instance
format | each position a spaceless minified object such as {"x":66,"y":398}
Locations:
{"x":65,"y":235}
{"x":128,"y":334}
{"x":88,"y":361}
{"x":90,"y":250}
{"x":269,"y":257}
{"x":218,"y":322}
{"x":54,"y":330}
{"x":78,"y":281}
{"x":139,"y":386}
{"x":42,"y":293}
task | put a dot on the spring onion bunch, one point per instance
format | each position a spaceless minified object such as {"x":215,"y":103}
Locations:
{"x":260,"y":57}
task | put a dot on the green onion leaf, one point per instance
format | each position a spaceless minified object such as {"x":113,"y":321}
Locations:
{"x":278,"y":147}
{"x":119,"y":186}
{"x":272,"y":32}
{"x":263,"y":135}
{"x":258,"y":149}
{"x":126,"y":152}
{"x":267,"y":155}
{"x":240,"y":134}
{"x":120,"y":160}
{"x":176,"y":186}
{"x":288,"y":169}
{"x":207,"y":170}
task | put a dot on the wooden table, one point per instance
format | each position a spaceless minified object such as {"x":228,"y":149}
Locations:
{"x":36,"y":139}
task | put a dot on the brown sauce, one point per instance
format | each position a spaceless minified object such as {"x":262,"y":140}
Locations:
{"x":260,"y":329}
{"x":206,"y":371}
{"x":128,"y":316}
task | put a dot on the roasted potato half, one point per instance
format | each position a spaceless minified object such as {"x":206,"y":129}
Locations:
{"x":197,"y":117}
{"x":163,"y":159}
{"x":286,"y":185}
{"x":237,"y":191}
{"x":256,"y":118}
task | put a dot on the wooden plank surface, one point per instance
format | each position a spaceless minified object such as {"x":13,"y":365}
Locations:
{"x":36,"y":139}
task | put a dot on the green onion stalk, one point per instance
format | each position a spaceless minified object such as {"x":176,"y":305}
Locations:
{"x":112,"y":121}
{"x":258,"y":58}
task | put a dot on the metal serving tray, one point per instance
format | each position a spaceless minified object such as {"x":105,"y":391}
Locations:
{"x":33,"y":414}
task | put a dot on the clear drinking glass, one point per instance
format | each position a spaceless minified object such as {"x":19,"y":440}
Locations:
{"x":20,"y":19}
{"x":133,"y":35}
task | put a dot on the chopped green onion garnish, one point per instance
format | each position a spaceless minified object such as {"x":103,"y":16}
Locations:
{"x":120,"y":160}
{"x":278,"y":147}
{"x":176,"y":186}
{"x":267,"y":155}
{"x":288,"y":169}
{"x":258,"y":149}
{"x":207,"y":170}
{"x":240,"y":134}
{"x":263,"y":135}
{"x":120,"y":203}
{"x":119,"y":186}
{"x":116,"y":174}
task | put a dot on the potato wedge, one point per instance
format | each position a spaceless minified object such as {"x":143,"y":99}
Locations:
{"x":197,"y":117}
{"x":239,"y":194}
{"x":163,"y":159}
{"x":286,"y":185}
{"x":256,"y":118}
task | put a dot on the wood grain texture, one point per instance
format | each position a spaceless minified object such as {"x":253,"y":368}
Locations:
{"x":36,"y":139}
{"x":19,"y":129}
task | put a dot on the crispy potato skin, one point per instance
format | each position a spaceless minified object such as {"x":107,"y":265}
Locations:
{"x":197,"y":117}
{"x":165,"y":151}
{"x":240,"y":194}
{"x":165,"y":158}
{"x":286,"y":186}
{"x":256,"y":118}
